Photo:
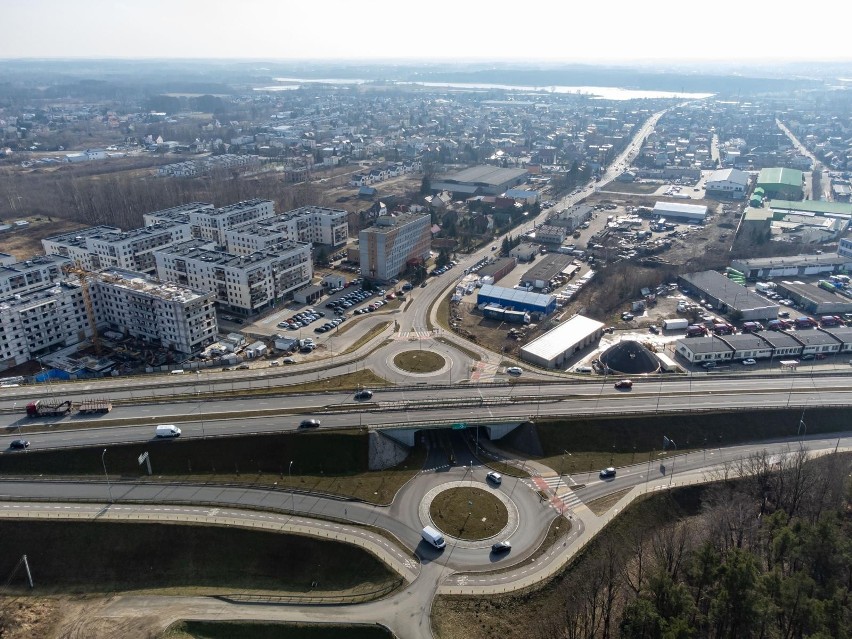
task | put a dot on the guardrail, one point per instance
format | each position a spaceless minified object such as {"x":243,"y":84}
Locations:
{"x":315,"y":599}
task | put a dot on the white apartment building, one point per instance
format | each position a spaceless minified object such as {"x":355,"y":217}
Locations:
{"x":175,"y":316}
{"x":40,"y":320}
{"x":211,"y":224}
{"x":176,"y":213}
{"x":242,"y":284}
{"x":392,"y":242}
{"x":313,"y":224}
{"x":38,"y":272}
{"x":108,"y":247}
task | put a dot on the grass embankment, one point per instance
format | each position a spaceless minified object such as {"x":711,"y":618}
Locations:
{"x":366,"y":337}
{"x":507,"y":616}
{"x":581,"y":446}
{"x":468,"y":513}
{"x":257,"y":630}
{"x":107,"y":557}
{"x":419,"y":361}
{"x":330,"y":462}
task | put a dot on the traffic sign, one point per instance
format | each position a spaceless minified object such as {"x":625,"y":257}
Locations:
{"x":459,"y":426}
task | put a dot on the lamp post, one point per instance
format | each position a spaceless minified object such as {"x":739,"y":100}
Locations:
{"x":666,"y":442}
{"x":292,"y":496}
{"x":109,"y":486}
{"x":17,"y":421}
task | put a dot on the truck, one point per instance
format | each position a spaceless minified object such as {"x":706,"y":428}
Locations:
{"x":48,"y":408}
{"x":723,"y":328}
{"x":826,"y":285}
{"x":57,"y":407}
{"x":696,"y":330}
{"x":94,"y":406}
{"x":752,"y":327}
{"x":678,"y":324}
{"x":805,"y":322}
{"x":827,"y":321}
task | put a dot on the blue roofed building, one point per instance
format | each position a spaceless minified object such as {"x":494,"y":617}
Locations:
{"x":517,"y":300}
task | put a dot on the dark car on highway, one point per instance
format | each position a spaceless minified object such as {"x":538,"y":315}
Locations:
{"x":624,"y":384}
{"x":309,"y":423}
{"x":607,"y":473}
{"x":19,"y":444}
{"x":364,"y":394}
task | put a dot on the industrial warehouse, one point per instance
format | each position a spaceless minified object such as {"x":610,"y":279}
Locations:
{"x":556,"y":346}
{"x":726,"y":295}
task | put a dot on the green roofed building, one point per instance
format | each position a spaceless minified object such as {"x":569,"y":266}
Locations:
{"x":781,"y":183}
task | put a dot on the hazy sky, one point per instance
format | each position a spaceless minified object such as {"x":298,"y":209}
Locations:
{"x":571,"y":30}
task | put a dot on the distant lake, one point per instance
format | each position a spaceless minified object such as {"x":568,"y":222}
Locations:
{"x":600,"y":93}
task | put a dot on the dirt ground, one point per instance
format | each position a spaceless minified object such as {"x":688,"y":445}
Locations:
{"x":68,"y":617}
{"x":26,"y":242}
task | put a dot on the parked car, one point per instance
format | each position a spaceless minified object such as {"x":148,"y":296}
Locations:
{"x":607,"y":473}
{"x":749,"y":362}
{"x":627,"y":316}
{"x":243,"y":367}
{"x":514,"y":370}
{"x":309,"y":423}
{"x":624,"y":384}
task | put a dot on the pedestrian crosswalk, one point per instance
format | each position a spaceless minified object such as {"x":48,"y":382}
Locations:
{"x":561,"y":497}
{"x":417,"y":333}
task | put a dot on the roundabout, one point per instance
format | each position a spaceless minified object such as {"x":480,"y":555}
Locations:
{"x":419,"y":362}
{"x":471,"y":514}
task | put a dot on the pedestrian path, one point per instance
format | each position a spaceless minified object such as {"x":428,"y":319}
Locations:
{"x":560,"y":495}
{"x":417,"y":333}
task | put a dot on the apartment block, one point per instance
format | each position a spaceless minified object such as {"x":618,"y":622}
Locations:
{"x":177,"y":317}
{"x":211,"y":224}
{"x":243,"y":284}
{"x":392,"y":243}
{"x":40,"y":271}
{"x":313,"y":224}
{"x":108,"y":247}
{"x":40,"y":320}
{"x":176,"y":213}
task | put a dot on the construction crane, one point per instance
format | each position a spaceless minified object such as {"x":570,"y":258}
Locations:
{"x":83,"y":275}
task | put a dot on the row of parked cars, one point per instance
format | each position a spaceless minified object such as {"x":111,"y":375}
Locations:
{"x":304,"y":318}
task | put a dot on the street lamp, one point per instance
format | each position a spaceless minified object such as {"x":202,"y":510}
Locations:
{"x":109,"y":486}
{"x":290,"y":481}
{"x":666,"y":442}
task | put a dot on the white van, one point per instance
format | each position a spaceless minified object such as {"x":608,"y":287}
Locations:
{"x":177,"y":371}
{"x":582,"y":369}
{"x":168,"y":430}
{"x":433,"y":537}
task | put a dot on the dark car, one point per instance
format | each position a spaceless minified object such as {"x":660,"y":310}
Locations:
{"x":309,"y":423}
{"x":607,"y":473}
{"x":624,"y":384}
{"x":19,"y":443}
{"x":502,"y":546}
{"x":364,"y":394}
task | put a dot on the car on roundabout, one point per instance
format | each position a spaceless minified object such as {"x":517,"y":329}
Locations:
{"x":501,"y":546}
{"x":494,"y":477}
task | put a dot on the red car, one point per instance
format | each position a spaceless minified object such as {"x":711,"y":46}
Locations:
{"x":624,"y":384}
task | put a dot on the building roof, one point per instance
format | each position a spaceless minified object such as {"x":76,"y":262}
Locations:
{"x":485,"y":175}
{"x":497,"y":266}
{"x":813,"y":293}
{"x":780,"y":339}
{"x":816,"y":338}
{"x":729,"y":175}
{"x":511,"y":295}
{"x":841,"y":333}
{"x":562,"y":338}
{"x":547,"y":267}
{"x":704,"y":345}
{"x":736,"y":296}
{"x":813,"y":207}
{"x":780,"y":175}
{"x":827,"y":259}
{"x":388,"y":223}
{"x":672,"y":208}
{"x":746,"y":341}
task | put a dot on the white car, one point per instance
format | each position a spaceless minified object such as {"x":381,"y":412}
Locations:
{"x":749,"y":362}
{"x":514,"y":370}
